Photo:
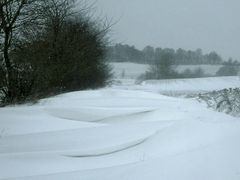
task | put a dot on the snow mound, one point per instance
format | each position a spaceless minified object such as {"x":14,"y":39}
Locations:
{"x":78,"y":142}
{"x":86,"y":113}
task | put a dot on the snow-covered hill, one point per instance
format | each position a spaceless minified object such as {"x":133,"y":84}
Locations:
{"x":132,"y":70}
{"x":118,"y":134}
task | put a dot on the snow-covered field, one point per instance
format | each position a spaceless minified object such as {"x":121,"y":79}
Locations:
{"x":181,"y":87}
{"x":133,"y":70}
{"x":128,"y":70}
{"x":121,"y":133}
{"x":191,"y":86}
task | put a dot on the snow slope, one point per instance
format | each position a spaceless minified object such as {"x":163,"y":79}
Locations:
{"x":118,"y":134}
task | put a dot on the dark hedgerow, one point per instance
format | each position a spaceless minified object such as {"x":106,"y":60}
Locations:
{"x":66,"y":54}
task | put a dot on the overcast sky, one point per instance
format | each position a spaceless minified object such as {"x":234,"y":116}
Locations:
{"x":189,"y":24}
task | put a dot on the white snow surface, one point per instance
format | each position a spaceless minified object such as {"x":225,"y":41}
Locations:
{"x":181,"y":87}
{"x":119,"y":133}
{"x":193,"y":85}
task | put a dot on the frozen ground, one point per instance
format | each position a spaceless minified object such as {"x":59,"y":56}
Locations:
{"x":124,"y":132}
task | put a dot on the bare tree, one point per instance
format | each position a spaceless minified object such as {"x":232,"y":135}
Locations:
{"x":13,"y":16}
{"x":67,"y":52}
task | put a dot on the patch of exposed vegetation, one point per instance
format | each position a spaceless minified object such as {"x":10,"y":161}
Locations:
{"x":226,"y":100}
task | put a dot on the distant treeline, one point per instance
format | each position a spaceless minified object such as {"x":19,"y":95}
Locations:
{"x":126,"y":53}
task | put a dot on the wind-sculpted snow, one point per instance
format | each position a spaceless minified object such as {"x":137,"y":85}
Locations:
{"x":207,"y":162}
{"x":32,"y":119}
{"x":115,"y":134}
{"x":109,"y":150}
{"x":78,"y":142}
{"x":100,"y":114}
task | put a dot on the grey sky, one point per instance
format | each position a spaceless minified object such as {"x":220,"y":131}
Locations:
{"x":189,"y":24}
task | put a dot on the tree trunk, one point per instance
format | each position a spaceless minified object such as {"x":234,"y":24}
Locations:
{"x":9,"y":68}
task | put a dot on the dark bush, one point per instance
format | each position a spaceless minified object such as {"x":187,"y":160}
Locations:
{"x":76,"y":60}
{"x":54,"y":50}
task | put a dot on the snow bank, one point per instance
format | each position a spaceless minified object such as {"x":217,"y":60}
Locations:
{"x":86,"y":113}
{"x":76,"y":142}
